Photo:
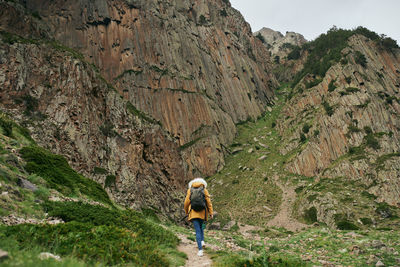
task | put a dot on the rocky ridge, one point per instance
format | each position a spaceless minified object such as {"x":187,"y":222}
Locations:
{"x":347,"y":127}
{"x":278,"y":44}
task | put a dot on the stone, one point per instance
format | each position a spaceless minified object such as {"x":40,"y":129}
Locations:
{"x":214,"y":226}
{"x":48,"y":255}
{"x":377,"y":244}
{"x":26,"y":184}
{"x":267,"y":208}
{"x":379,"y":264}
{"x":269,"y":109}
{"x":250,"y":150}
{"x":262,"y":157}
{"x":228,"y":226}
{"x":3,"y":255}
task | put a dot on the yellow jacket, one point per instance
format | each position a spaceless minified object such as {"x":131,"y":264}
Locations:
{"x":198,"y":214}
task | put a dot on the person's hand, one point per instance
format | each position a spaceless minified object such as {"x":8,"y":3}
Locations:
{"x":212,"y":216}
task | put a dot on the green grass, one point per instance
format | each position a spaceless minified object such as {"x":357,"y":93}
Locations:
{"x":59,"y":175}
{"x":98,"y":234}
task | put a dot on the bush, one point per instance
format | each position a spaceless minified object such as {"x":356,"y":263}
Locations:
{"x":306,"y":128}
{"x":303,"y":138}
{"x":366,"y":221}
{"x":202,"y":20}
{"x":295,"y":53}
{"x":346,"y":225}
{"x":99,"y":170}
{"x":313,"y":83}
{"x":110,"y":180}
{"x":223,"y":13}
{"x":261,"y":38}
{"x":360,"y":59}
{"x":352,"y":90}
{"x":329,"y":110}
{"x":7,"y":126}
{"x":316,"y":133}
{"x":310,"y":215}
{"x":59,"y":175}
{"x":332,"y":86}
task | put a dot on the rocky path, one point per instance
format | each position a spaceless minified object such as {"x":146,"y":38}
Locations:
{"x":189,"y":247}
{"x":284,"y":218}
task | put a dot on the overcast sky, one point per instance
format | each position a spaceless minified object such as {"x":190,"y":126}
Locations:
{"x":313,"y":17}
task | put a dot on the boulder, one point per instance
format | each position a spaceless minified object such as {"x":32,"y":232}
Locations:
{"x":48,"y":255}
{"x":26,"y":184}
{"x":229,"y":225}
{"x":3,"y":255}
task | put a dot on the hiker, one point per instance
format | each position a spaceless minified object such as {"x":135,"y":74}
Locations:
{"x":198,"y":206}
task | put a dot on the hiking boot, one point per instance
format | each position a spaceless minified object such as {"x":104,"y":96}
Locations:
{"x":200,"y":253}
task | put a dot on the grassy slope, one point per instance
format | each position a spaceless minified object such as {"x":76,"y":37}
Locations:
{"x":241,"y":194}
{"x":100,"y":235}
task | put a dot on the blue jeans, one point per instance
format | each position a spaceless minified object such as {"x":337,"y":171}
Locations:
{"x":198,"y":226}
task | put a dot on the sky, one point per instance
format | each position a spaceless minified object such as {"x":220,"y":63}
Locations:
{"x":313,"y":17}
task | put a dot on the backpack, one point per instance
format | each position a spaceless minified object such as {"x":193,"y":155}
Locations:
{"x":197,"y":198}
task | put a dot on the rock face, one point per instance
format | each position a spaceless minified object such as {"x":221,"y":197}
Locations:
{"x":279,"y":44}
{"x":350,"y":121}
{"x":71,"y":110}
{"x":177,"y":75}
{"x":281,"y":47}
{"x":192,"y":65}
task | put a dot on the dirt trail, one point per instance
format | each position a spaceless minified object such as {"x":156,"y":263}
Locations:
{"x":189,"y":247}
{"x":283,"y":218}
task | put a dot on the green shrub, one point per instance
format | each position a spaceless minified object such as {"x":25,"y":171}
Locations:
{"x":384,"y":210}
{"x":310,"y":215}
{"x":295,"y":53}
{"x":107,"y":129}
{"x":6,"y":125}
{"x":202,"y":20}
{"x":223,"y":12}
{"x":329,"y":110}
{"x":346,"y":225}
{"x":360,"y":59}
{"x":366,"y":221}
{"x":371,"y":141}
{"x":316,"y":133}
{"x":306,"y":128}
{"x":110,"y":180}
{"x":352,"y":90}
{"x":99,"y":170}
{"x":303,"y":138}
{"x":348,"y":79}
{"x":59,"y":175}
{"x":313,"y":83}
{"x":261,"y":38}
{"x":332,"y":86}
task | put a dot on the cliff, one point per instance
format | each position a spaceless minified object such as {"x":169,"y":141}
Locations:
{"x":71,"y":110}
{"x":344,"y":126}
{"x":192,"y":65}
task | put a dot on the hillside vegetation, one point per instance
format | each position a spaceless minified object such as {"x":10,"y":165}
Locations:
{"x":94,"y":231}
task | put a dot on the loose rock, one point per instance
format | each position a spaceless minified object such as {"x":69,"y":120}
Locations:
{"x":48,"y":255}
{"x":3,"y":255}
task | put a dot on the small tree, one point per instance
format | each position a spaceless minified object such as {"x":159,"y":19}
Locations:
{"x":262,"y":39}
